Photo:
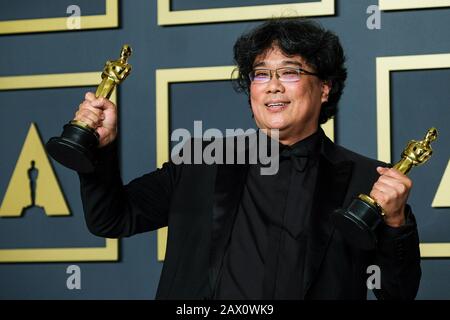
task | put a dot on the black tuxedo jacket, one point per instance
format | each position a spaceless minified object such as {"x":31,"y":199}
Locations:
{"x":199,"y":203}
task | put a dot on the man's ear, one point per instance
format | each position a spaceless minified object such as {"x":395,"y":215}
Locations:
{"x":326,"y":88}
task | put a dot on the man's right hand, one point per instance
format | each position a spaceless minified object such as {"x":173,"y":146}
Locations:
{"x":101,"y":115}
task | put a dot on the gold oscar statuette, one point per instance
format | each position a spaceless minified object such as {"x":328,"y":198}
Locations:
{"x":76,"y":146}
{"x":359,"y":221}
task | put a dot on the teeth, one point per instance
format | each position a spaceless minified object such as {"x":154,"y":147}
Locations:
{"x":276,"y":104}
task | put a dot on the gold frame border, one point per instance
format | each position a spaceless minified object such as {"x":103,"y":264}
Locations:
{"x":259,"y":12}
{"x":387,"y":5}
{"x":164,"y":77}
{"x":111,"y":250}
{"x":108,"y":20}
{"x":384,"y":66}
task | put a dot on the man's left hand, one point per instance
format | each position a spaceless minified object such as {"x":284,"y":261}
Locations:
{"x":391,"y":192}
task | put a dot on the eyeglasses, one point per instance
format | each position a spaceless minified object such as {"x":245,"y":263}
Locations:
{"x":285,"y":74}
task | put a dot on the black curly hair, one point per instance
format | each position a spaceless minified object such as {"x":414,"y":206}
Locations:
{"x":319,"y":47}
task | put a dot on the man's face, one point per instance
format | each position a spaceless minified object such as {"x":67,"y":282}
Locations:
{"x":291,"y":107}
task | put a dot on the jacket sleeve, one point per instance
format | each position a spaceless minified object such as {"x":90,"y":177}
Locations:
{"x":113,"y":210}
{"x":398,"y":257}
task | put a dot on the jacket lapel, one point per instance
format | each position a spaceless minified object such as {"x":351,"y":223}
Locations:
{"x":230,"y":180}
{"x":332,"y":182}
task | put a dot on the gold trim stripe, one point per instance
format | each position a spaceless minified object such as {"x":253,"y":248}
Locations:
{"x":111,"y":250}
{"x":109,"y":20}
{"x":386,"y":5}
{"x":59,"y":80}
{"x":108,"y":253}
{"x":163,"y":79}
{"x":259,"y":12}
{"x":384,"y":66}
{"x":435,"y":250}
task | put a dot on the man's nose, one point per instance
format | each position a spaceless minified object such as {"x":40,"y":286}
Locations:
{"x":275,"y":85}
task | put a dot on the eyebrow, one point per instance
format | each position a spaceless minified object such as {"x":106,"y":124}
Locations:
{"x":284,"y":62}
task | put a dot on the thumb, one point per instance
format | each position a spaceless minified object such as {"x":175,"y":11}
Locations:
{"x":381,"y":170}
{"x":103,"y":103}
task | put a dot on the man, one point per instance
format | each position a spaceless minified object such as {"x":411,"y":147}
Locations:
{"x":236,"y":234}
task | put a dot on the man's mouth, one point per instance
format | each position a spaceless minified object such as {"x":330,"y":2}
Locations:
{"x":277,"y":106}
